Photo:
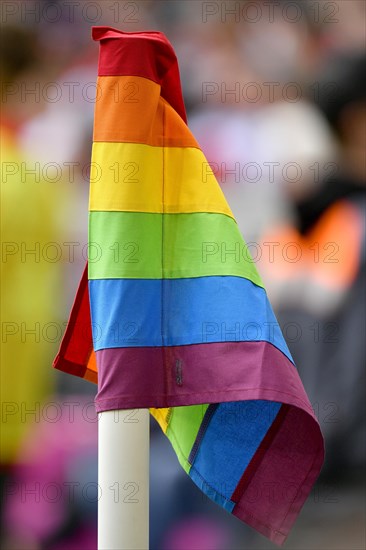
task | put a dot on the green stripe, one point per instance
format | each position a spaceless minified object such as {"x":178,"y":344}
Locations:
{"x":129,"y":245}
{"x":183,"y":429}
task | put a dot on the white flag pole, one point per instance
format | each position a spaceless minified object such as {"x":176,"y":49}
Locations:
{"x":123,"y":478}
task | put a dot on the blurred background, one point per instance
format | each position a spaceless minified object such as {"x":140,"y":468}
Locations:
{"x":275,"y":95}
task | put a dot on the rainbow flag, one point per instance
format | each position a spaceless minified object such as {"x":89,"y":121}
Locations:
{"x":172,"y":314}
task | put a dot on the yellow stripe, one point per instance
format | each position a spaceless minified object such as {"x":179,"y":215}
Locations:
{"x":161,"y":416}
{"x":142,"y":178}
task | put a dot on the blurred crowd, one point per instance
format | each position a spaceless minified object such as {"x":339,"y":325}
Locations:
{"x":275,"y":95}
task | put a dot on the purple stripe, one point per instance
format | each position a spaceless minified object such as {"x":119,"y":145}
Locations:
{"x":208,"y":373}
{"x":259,"y":454}
{"x":282,"y":481}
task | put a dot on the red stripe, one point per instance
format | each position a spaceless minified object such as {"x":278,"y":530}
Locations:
{"x":146,"y":54}
{"x":77,"y":343}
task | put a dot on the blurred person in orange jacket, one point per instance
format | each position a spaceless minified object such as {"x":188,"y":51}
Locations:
{"x":318,"y":268}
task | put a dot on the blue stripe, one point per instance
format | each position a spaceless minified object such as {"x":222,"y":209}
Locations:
{"x":212,"y":492}
{"x":229,"y":443}
{"x":128,"y":312}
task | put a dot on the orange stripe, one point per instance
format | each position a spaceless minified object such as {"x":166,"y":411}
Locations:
{"x":129,"y":109}
{"x":91,"y":372}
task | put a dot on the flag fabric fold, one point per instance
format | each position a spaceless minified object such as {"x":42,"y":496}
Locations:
{"x":171,"y":314}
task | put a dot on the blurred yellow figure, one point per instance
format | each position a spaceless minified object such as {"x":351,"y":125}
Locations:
{"x":31,"y":265}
